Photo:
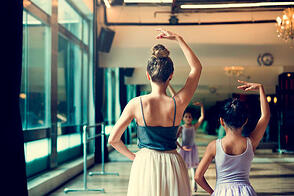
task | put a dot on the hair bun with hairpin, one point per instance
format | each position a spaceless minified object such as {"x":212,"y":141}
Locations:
{"x":234,"y":103}
{"x":159,"y":51}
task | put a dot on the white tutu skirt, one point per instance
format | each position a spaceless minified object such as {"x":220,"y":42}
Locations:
{"x":159,"y":173}
{"x":234,"y":189}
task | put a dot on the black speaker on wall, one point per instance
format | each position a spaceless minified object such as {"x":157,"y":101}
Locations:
{"x":105,"y":39}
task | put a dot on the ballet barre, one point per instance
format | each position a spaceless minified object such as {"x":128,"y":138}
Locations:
{"x":102,"y":149}
{"x":85,"y":140}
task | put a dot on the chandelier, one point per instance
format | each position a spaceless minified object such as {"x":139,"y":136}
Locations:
{"x":234,"y":70}
{"x":285,"y":24}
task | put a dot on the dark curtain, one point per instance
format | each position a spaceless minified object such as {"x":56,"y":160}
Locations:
{"x":286,"y":110}
{"x":212,"y":118}
{"x":123,"y":100}
{"x":12,"y":152}
{"x":99,"y":94}
{"x":271,"y":135}
{"x":98,"y":91}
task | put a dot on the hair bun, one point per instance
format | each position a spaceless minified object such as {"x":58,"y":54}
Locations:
{"x":159,"y":51}
{"x":234,"y":103}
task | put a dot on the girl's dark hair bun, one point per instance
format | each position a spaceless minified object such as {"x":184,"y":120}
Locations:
{"x":234,"y":113}
{"x":159,"y":51}
{"x":234,"y":103}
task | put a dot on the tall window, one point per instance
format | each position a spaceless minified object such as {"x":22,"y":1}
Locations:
{"x":69,"y":98}
{"x":47,"y":48}
{"x":35,"y":94}
{"x":69,"y":82}
{"x":86,"y":76}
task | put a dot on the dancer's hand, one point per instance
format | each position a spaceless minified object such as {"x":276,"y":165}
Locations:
{"x":165,"y":34}
{"x":186,"y":148}
{"x":249,"y":86}
{"x":133,"y":156}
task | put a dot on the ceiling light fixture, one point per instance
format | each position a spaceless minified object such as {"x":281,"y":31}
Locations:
{"x":234,"y":70}
{"x":236,"y":5}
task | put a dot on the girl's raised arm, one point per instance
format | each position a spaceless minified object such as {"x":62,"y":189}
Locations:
{"x":201,"y":118}
{"x":257,"y":134}
{"x":187,"y":92}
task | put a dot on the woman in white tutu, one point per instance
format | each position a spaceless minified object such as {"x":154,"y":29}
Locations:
{"x":158,"y":170}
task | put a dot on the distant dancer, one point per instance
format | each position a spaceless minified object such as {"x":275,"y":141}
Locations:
{"x":187,"y":131}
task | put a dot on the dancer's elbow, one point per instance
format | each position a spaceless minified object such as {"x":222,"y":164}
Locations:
{"x":196,"y":70}
{"x":198,"y":177}
{"x":112,"y":141}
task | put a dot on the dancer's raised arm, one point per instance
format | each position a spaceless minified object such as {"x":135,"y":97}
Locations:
{"x":186,"y":93}
{"x":201,"y":118}
{"x":262,"y":123}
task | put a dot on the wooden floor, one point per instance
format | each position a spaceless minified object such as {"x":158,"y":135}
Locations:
{"x":271,"y":174}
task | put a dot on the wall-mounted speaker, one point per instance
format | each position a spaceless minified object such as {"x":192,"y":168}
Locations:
{"x":105,"y":39}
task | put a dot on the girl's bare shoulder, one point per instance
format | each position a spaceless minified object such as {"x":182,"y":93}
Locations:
{"x":211,"y":148}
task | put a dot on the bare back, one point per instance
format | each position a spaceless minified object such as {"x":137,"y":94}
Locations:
{"x":158,"y":111}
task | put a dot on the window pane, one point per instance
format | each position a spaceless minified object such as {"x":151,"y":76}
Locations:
{"x":37,"y":156}
{"x":68,"y":147}
{"x":85,"y":32}
{"x":22,"y":96}
{"x":34,"y":95}
{"x":69,"y":96}
{"x":44,"y":5}
{"x":68,"y":141}
{"x":69,"y":82}
{"x":69,"y":18}
{"x":36,"y":149}
{"x":85,"y":87}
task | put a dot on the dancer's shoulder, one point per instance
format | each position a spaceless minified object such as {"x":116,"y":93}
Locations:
{"x":211,"y":148}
